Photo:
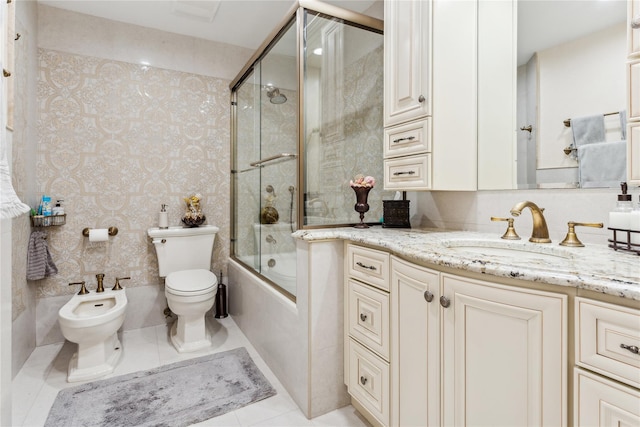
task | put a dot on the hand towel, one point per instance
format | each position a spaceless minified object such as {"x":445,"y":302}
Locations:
{"x":587,"y":130}
{"x":623,"y":124}
{"x":39,"y":261}
{"x":10,"y":204}
{"x":602,"y":164}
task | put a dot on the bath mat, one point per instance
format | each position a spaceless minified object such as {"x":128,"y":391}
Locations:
{"x":179,"y":394}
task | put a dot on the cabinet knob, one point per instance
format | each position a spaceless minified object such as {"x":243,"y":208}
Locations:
{"x":445,"y":302}
{"x":632,"y":348}
{"x":363,"y":380}
{"x":363,"y":317}
{"x":421,"y":99}
{"x":428,"y":296}
{"x":635,"y":23}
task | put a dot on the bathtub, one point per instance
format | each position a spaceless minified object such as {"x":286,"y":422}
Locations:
{"x":280,"y":268}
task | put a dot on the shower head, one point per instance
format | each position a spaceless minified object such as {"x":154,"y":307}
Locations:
{"x":275,"y":97}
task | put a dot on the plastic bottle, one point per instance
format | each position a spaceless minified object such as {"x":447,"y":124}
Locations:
{"x":58,"y":209}
{"x":620,"y":217}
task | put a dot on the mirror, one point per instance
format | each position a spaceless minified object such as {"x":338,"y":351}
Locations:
{"x":571,"y":59}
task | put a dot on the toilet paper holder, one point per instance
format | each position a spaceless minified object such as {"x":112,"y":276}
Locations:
{"x":112,"y":231}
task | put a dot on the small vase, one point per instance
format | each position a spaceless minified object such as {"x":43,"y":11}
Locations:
{"x":361,"y":205}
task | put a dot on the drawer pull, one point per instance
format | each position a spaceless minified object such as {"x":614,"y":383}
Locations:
{"x":368,"y":267}
{"x":408,"y":138}
{"x":632,"y":348}
{"x":445,"y":302}
{"x":363,"y":380}
{"x":428,"y":296}
{"x":404,"y":173}
{"x":363,"y":317}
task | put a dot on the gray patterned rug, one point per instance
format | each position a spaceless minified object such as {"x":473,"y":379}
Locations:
{"x":179,"y":394}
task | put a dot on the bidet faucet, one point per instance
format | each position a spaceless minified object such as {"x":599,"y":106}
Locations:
{"x":100,"y":277}
{"x":540,"y":233}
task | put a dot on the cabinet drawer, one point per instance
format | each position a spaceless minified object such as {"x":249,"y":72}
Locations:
{"x":408,"y":173}
{"x":369,"y":381}
{"x":411,"y":138}
{"x":634,"y":90}
{"x":600,"y":402}
{"x":369,"y":317}
{"x":603,"y":330}
{"x":368,"y":265}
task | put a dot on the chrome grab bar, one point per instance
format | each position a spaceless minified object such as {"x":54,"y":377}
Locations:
{"x":268,"y":159}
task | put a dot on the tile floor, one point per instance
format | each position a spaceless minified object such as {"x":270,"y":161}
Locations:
{"x":44,"y":374}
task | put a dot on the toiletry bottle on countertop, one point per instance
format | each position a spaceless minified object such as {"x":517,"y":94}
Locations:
{"x":163,"y":219}
{"x":620,"y":217}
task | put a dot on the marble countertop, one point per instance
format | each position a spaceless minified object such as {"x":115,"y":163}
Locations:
{"x":594,"y":267}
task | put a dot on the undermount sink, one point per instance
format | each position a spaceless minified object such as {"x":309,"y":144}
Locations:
{"x":513,"y":249}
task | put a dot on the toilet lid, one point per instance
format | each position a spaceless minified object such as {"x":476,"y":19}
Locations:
{"x":190,"y":281}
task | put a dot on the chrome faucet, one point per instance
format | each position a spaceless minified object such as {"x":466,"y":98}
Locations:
{"x":540,"y":233}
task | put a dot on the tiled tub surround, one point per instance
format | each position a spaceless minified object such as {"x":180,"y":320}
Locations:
{"x":593,"y":267}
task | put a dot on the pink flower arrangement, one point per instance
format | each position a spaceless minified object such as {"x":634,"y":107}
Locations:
{"x":363,"y":181}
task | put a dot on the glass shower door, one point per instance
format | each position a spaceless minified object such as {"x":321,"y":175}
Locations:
{"x":266,"y":167}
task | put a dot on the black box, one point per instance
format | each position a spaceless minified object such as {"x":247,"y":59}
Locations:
{"x":395,"y":214}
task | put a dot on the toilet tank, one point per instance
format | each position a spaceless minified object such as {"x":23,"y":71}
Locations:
{"x":183,"y":248}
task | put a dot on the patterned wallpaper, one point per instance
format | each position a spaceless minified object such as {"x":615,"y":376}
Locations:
{"x":116,"y":140}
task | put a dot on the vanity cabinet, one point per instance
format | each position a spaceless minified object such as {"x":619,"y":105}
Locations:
{"x":607,"y":342}
{"x":367,"y":342}
{"x":462,"y":351}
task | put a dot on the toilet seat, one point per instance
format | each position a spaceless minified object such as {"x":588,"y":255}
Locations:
{"x":190,"y":282}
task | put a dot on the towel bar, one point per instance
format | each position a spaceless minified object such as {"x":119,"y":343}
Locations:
{"x":567,"y":123}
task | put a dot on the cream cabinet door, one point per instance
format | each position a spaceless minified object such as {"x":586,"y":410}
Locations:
{"x":604,"y":403}
{"x":415,"y":370}
{"x":504,"y":356}
{"x":407,"y":93}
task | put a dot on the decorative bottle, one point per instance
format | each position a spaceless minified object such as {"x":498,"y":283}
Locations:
{"x":620,"y":217}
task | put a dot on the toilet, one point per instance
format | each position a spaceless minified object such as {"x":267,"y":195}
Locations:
{"x":92,"y":321}
{"x":184,"y":260}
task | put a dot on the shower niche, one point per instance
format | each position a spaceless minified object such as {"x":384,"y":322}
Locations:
{"x":306,"y":118}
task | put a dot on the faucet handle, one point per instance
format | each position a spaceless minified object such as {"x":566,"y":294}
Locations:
{"x":571,"y":239}
{"x":510,"y":234}
{"x":117,"y":286}
{"x":83,"y":289}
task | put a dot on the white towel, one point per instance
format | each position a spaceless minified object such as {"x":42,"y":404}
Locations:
{"x":587,"y":130}
{"x":602,"y":164}
{"x":39,"y":261}
{"x":10,"y":204}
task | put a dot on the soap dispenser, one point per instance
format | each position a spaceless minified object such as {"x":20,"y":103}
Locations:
{"x":620,"y":217}
{"x":163,"y":220}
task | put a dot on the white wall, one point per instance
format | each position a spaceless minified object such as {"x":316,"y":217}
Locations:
{"x":579,"y":78}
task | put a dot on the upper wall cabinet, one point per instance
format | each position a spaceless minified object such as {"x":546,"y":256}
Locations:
{"x":407,"y":92}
